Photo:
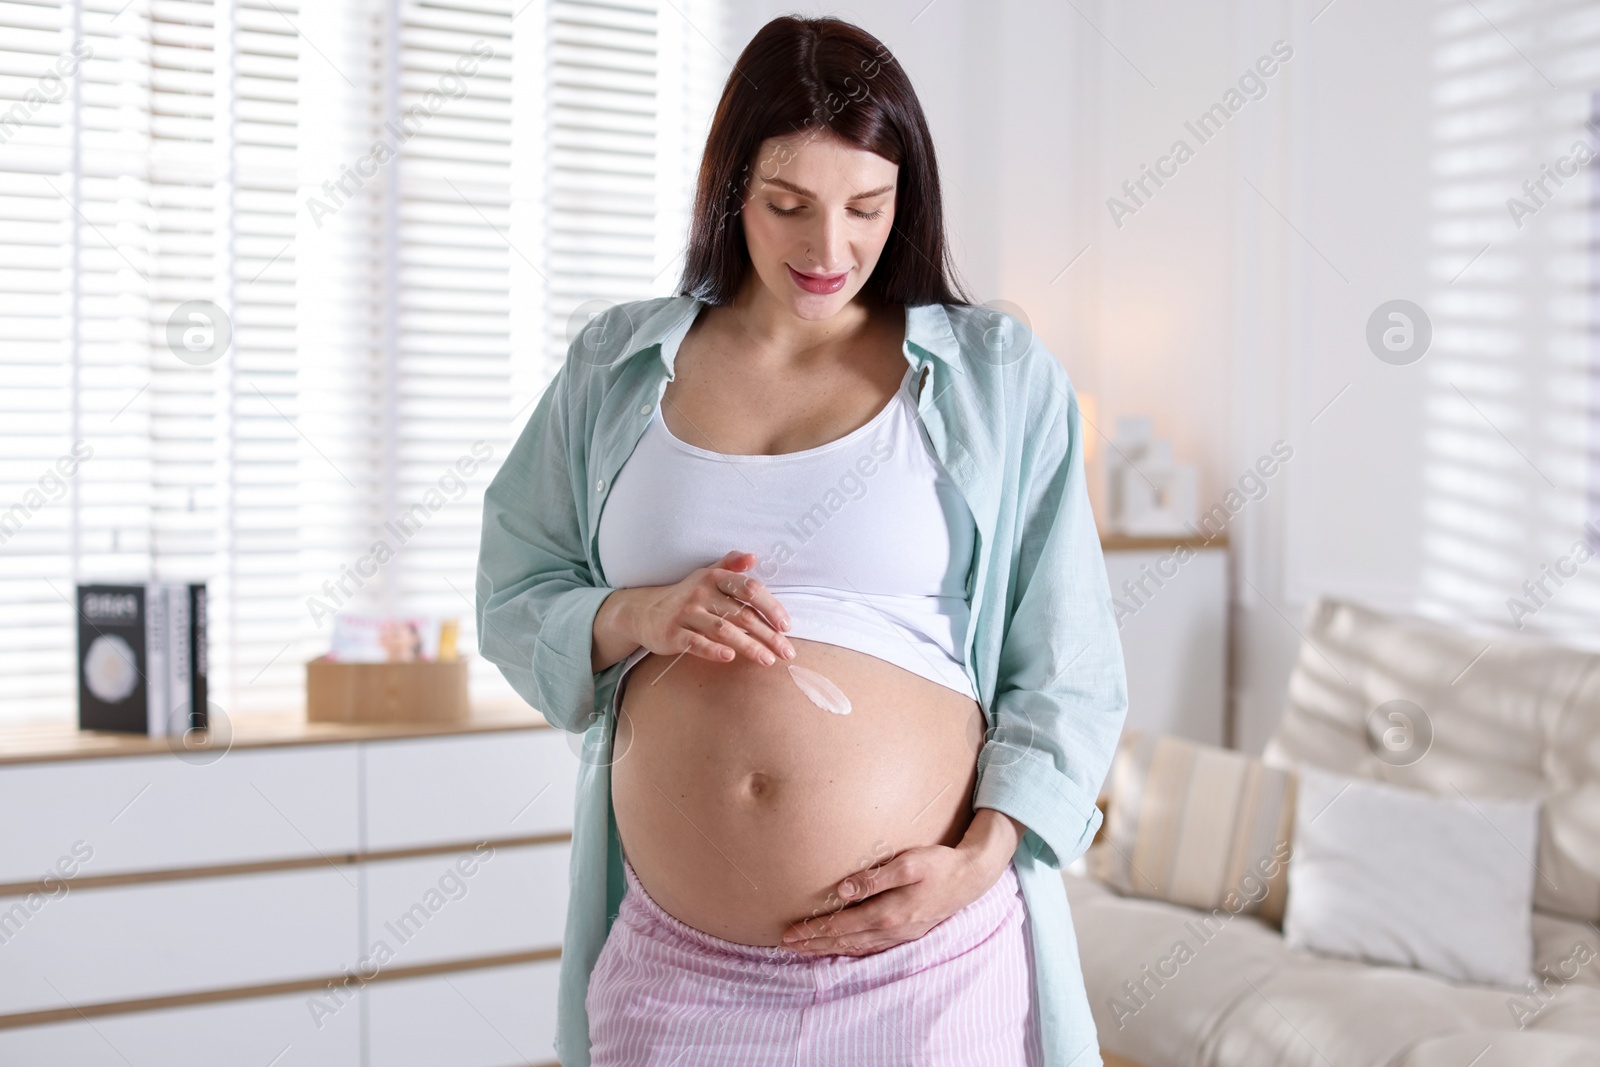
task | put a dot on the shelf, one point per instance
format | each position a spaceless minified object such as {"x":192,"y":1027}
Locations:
{"x":1125,"y":543}
{"x":38,"y":742}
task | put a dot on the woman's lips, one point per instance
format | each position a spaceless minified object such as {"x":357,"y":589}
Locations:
{"x":820,"y":284}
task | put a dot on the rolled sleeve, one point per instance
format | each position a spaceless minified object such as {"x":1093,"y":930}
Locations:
{"x":563,"y":674}
{"x":1025,"y":784}
{"x":1061,"y":688}
{"x":536,"y":596}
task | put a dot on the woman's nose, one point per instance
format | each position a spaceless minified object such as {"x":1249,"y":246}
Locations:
{"x":827,"y":245}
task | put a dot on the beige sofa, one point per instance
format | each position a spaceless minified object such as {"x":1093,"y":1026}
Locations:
{"x":1516,"y":718}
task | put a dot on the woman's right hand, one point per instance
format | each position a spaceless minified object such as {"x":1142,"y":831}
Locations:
{"x":715,"y":613}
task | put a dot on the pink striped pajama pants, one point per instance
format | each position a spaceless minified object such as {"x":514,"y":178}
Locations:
{"x":664,"y":994}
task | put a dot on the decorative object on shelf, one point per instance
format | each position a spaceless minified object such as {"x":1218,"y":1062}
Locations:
{"x":380,"y":669}
{"x":1148,"y":493}
{"x":449,"y":631}
{"x":419,"y":691}
{"x":142,"y":658}
{"x":398,"y":639}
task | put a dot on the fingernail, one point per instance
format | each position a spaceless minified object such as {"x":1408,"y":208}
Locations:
{"x":847,"y":888}
{"x":766,"y":657}
{"x":788,"y":651}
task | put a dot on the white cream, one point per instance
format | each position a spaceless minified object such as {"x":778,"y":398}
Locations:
{"x":821,"y":692}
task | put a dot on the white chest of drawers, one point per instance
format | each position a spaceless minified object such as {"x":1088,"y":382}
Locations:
{"x":315,"y":896}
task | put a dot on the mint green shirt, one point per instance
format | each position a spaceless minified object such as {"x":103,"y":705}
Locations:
{"x":1042,"y":649}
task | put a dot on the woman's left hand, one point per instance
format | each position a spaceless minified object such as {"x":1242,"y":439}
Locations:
{"x":900,"y":900}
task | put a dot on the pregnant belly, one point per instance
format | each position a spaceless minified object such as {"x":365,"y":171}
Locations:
{"x":741,"y":804}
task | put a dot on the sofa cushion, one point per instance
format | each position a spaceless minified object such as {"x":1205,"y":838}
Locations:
{"x":1393,"y":875}
{"x":1492,"y":715}
{"x":1154,"y":1003}
{"x":1503,"y":1048}
{"x":1196,"y":825}
{"x":1242,"y":998}
{"x":1565,"y":951}
{"x":1315,"y":1011}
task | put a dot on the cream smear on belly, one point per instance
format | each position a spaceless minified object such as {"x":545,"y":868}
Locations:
{"x":821,"y":692}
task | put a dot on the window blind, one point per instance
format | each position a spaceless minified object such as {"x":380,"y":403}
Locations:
{"x":38,"y":419}
{"x":34,"y":98}
{"x":632,"y":90}
{"x":602,"y":151}
{"x":389,"y":216}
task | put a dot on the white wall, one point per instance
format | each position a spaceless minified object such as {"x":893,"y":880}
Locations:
{"x":1232,"y":305}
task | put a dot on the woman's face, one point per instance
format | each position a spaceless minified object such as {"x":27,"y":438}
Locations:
{"x":816,"y":219}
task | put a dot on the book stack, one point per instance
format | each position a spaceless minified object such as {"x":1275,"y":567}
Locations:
{"x":142,"y":658}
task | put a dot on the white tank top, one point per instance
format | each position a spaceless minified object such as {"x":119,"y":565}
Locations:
{"x":865,"y":540}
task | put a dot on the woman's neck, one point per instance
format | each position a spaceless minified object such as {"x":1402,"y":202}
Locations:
{"x":783,"y":335}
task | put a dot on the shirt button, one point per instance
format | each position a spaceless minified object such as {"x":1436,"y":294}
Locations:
{"x":600,"y":486}
{"x":644,"y":409}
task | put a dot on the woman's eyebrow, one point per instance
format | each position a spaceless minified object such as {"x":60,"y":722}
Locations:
{"x":793,"y":188}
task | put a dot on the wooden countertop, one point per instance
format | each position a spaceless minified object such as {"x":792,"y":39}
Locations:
{"x":45,"y":741}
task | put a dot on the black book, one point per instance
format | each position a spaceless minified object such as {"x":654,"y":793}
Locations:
{"x":198,"y":717}
{"x":120,"y":639}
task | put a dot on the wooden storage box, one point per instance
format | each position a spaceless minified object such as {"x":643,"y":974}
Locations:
{"x":424,"y":691}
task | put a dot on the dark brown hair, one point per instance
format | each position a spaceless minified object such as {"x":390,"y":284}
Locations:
{"x":812,"y":73}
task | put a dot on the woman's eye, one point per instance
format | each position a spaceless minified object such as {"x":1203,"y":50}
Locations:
{"x":800,"y":207}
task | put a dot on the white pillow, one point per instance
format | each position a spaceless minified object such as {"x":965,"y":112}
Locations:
{"x":1393,"y":875}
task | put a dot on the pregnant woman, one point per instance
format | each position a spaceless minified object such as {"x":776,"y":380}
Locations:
{"x":805,"y":556}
